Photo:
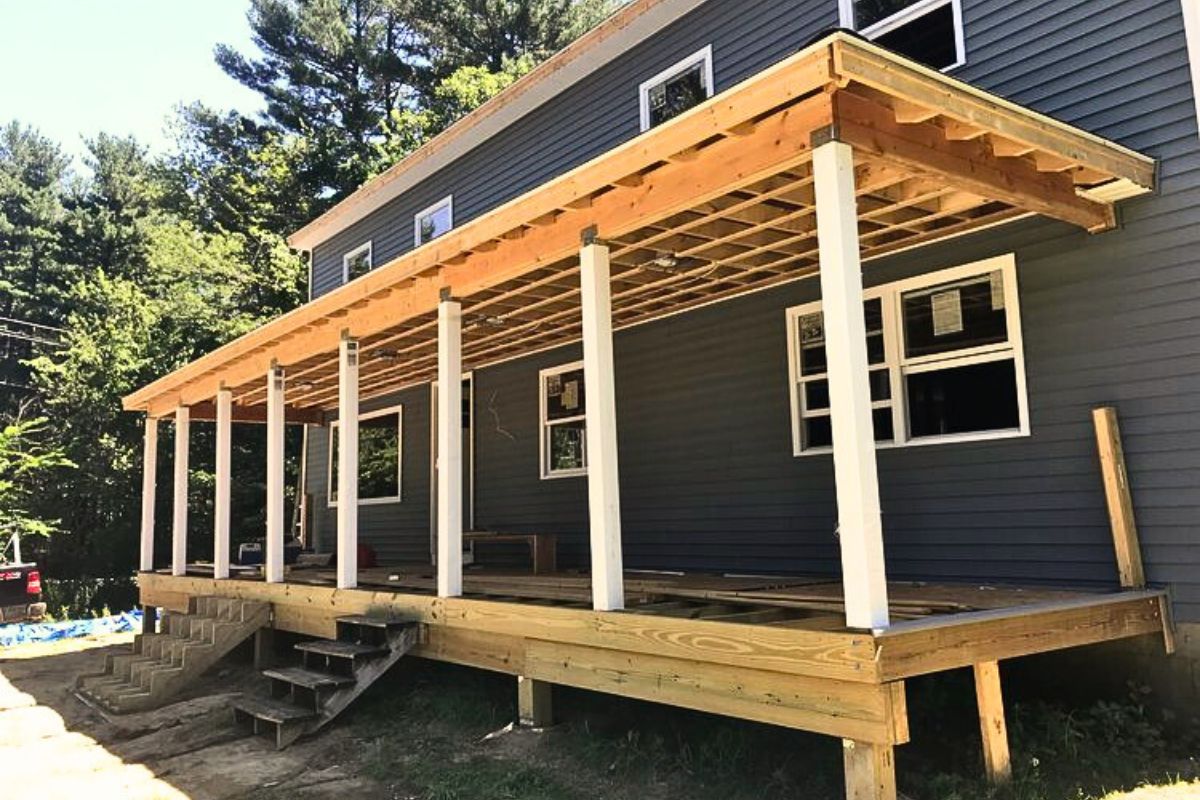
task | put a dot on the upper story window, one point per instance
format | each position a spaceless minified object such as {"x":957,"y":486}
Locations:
{"x":380,"y":436}
{"x":929,"y":31}
{"x":563,"y":421}
{"x":434,"y":221}
{"x":357,"y":262}
{"x":677,"y":88}
{"x":944,"y":354}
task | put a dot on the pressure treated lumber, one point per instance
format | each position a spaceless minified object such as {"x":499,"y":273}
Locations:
{"x":534,"y":702}
{"x":993,"y":729}
{"x":870,"y":771}
{"x":1119,"y":498}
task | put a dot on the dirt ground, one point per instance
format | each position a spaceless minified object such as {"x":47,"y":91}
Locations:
{"x":190,"y":749}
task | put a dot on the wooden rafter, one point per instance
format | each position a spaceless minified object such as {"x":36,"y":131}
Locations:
{"x":710,"y":205}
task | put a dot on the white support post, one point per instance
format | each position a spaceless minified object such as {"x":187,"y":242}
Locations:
{"x":149,"y":484}
{"x":860,"y":528}
{"x":604,"y":502}
{"x":273,"y":557}
{"x":347,"y":455}
{"x":180,"y":517}
{"x":449,"y":448}
{"x":222,"y":479}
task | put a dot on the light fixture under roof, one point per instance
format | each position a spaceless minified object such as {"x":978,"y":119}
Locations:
{"x":384,"y":354}
{"x":670,"y":264}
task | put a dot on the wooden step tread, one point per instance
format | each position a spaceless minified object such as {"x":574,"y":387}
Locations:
{"x":328,"y":647}
{"x":272,"y":710}
{"x":375,"y":622}
{"x":308,"y":678}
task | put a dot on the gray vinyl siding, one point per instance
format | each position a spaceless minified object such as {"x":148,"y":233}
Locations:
{"x":707,"y":476}
{"x":398,"y":532}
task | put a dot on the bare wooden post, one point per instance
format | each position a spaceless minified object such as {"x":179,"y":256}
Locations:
{"x":604,"y":501}
{"x":222,"y":479}
{"x":264,"y":648}
{"x":1120,"y":500}
{"x":273,"y":557}
{"x":179,"y":520}
{"x":449,"y":448}
{"x":870,"y":770}
{"x":149,"y":619}
{"x":860,"y":528}
{"x":534,"y":705}
{"x":347,"y":455}
{"x":991,"y":722}
{"x":149,"y":483}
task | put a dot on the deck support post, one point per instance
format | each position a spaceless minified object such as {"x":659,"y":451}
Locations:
{"x":870,"y":770}
{"x":860,"y":528}
{"x":179,"y":519}
{"x":996,"y":760}
{"x":604,"y":502}
{"x":149,"y":484}
{"x":347,"y":455}
{"x":535,"y":707}
{"x":449,"y":448}
{"x":222,"y":481}
{"x":273,"y":557}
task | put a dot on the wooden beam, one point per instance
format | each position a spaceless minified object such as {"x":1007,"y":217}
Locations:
{"x":347,"y":461}
{"x":449,"y":449}
{"x":207,"y":412}
{"x":179,"y":518}
{"x":860,"y":527}
{"x":604,"y":499}
{"x":149,"y":484}
{"x":273,"y":557}
{"x":846,"y":657}
{"x":222,"y":482}
{"x":967,"y":165}
{"x":866,"y":63}
{"x":990,"y":701}
{"x":535,"y":707}
{"x":935,"y":644}
{"x":1119,"y":498}
{"x":870,"y":770}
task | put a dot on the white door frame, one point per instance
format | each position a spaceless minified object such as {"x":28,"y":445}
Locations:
{"x":469,"y":489}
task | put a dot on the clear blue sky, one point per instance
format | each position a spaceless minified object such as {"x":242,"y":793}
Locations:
{"x":73,"y":68}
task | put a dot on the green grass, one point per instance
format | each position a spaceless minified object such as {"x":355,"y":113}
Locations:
{"x":424,"y":729}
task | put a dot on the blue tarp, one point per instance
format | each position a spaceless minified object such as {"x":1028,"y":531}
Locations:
{"x":26,"y":632}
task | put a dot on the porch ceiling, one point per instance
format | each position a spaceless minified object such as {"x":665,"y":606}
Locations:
{"x":714,"y":203}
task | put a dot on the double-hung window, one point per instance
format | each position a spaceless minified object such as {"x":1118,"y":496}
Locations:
{"x":380,"y":440}
{"x":563,"y":421}
{"x":944,"y":355}
{"x":676,"y":89}
{"x":356,"y":263}
{"x":929,"y":31}
{"x":434,"y":221}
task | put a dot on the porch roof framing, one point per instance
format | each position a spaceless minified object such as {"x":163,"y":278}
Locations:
{"x":714,"y":203}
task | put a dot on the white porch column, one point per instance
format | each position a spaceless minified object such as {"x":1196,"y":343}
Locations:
{"x":347,"y":484}
{"x":859,"y":526}
{"x":449,"y":448}
{"x":222,"y":478}
{"x":604,"y":502}
{"x":149,"y":473}
{"x":273,"y":557}
{"x":180,"y":517}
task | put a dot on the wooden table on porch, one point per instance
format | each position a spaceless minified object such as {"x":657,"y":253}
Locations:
{"x":543,"y":547}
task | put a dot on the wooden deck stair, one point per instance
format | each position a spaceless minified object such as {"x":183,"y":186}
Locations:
{"x":331,"y":675}
{"x":160,"y":665}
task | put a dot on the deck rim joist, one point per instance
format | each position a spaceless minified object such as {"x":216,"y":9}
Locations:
{"x":896,"y":114}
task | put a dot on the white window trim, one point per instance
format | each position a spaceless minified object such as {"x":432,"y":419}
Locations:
{"x":703,"y":56}
{"x":353,"y":254}
{"x":544,"y":424}
{"x":891,"y":294}
{"x":398,"y":410}
{"x":906,"y":15}
{"x":446,"y":202}
{"x":1191,"y":33}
